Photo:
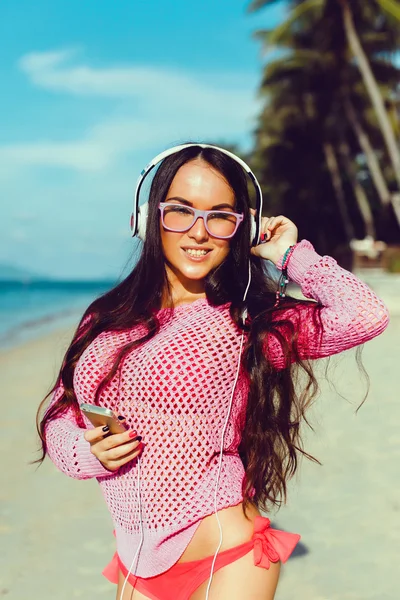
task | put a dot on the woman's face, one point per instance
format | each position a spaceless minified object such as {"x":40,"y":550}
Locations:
{"x":199,"y":185}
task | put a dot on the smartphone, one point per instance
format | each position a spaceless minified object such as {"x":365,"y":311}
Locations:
{"x":100,"y":416}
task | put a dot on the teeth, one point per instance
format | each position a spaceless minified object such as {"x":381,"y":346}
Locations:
{"x":196,"y":252}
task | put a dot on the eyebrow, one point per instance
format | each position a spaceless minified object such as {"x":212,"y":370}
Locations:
{"x":216,"y":207}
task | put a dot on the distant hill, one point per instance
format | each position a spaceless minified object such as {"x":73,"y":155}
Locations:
{"x":12,"y":273}
{"x":16,"y":276}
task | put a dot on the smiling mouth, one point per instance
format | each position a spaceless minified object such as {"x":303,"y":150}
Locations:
{"x":196,"y":253}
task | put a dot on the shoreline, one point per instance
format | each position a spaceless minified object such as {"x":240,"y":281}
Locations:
{"x":385,"y":285}
{"x":35,"y":329}
{"x":58,"y":335}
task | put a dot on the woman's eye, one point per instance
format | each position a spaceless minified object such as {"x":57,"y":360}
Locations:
{"x":181,"y":210}
{"x":226,"y":216}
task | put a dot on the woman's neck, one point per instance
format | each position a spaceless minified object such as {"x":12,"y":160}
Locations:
{"x":182,"y":292}
{"x":177,"y":299}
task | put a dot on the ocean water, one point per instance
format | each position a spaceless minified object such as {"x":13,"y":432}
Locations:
{"x":28,"y":310}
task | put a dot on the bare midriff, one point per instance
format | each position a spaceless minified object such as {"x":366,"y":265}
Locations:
{"x":236,"y":530}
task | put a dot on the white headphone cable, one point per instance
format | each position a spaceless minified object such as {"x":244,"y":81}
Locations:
{"x":244,"y":315}
{"x":141,"y":531}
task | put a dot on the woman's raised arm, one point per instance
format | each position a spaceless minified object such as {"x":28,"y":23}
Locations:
{"x":351,"y":313}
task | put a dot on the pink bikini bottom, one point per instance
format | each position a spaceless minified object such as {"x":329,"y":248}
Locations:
{"x":182,"y":579}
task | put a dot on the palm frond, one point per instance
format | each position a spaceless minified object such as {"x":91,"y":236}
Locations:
{"x":257,"y":4}
{"x":296,"y":13}
{"x":391,"y":7}
{"x":266,"y":37}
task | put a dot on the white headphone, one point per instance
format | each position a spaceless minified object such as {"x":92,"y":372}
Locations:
{"x":139,"y":214}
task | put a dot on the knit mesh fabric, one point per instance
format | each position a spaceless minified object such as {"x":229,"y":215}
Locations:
{"x":175,"y":391}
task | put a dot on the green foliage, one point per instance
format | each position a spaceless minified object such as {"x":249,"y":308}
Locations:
{"x":304,"y":94}
{"x":391,"y":7}
{"x":279,"y":32}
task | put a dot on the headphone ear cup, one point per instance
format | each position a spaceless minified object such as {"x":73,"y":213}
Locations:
{"x":142,"y":221}
{"x":253,"y":229}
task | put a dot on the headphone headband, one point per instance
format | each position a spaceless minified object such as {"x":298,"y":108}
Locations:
{"x":139,"y":215}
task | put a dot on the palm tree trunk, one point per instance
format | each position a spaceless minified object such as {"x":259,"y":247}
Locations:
{"x":372,"y":88}
{"x":359,"y":193}
{"x":369,"y":153}
{"x":337,"y":184}
{"x":396,"y":205}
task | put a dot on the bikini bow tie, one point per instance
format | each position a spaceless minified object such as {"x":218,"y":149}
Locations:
{"x":271,"y":545}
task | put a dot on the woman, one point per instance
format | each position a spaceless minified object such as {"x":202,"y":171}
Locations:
{"x":162,"y":349}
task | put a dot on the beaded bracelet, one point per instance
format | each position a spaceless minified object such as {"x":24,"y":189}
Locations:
{"x":283,"y":279}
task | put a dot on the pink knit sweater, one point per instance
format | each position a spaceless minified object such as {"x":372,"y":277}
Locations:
{"x":175,"y":390}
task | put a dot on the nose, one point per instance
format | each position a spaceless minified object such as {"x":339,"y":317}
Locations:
{"x":198,"y":231}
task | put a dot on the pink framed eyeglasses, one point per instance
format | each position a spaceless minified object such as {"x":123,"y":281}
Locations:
{"x":218,"y":223}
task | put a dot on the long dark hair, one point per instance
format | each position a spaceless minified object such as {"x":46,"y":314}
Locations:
{"x":271,"y":441}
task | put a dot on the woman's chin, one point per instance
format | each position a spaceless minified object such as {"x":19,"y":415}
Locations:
{"x":195,"y":272}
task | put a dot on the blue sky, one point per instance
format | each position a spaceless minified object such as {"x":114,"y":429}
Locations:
{"x":91,"y":91}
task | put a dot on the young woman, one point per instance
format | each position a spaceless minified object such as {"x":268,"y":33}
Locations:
{"x":163,"y":349}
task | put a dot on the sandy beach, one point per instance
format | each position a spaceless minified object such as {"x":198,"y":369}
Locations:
{"x":57,"y":534}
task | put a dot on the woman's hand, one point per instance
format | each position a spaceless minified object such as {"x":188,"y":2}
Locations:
{"x":113,"y":450}
{"x":280,"y":233}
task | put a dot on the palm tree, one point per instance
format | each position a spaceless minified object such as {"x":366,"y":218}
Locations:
{"x":318,"y":75}
{"x":369,"y":153}
{"x":337,"y":182}
{"x":325,"y":12}
{"x":300,"y":169}
{"x":370,"y":82}
{"x":358,"y":190}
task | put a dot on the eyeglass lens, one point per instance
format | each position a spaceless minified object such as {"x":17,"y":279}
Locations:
{"x":181,"y":218}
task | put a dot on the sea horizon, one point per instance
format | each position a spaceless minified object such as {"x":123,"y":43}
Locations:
{"x":32,"y":308}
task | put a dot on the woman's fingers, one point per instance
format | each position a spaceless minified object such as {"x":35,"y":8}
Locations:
{"x":114,"y":465}
{"x":111,"y":441}
{"x":94,"y":435}
{"x":267,"y":226}
{"x":98,"y":435}
{"x":113,"y":450}
{"x":121,"y":451}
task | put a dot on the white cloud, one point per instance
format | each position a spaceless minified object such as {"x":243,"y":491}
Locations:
{"x":53,"y":71}
{"x":37,"y":61}
{"x":171,"y":106}
{"x":81,"y":155}
{"x":95,"y":150}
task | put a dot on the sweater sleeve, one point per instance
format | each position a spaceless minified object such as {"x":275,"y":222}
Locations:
{"x":65,"y":442}
{"x":68,"y":449}
{"x":351,"y":313}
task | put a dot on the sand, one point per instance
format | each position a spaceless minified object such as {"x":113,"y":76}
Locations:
{"x":56,"y":534}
